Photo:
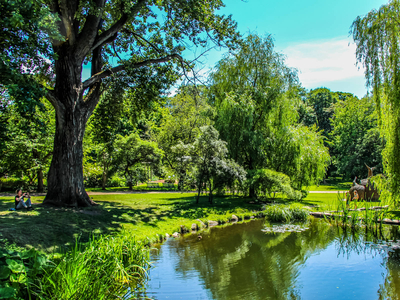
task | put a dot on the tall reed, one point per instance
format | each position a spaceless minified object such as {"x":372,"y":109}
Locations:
{"x":104,"y":268}
{"x":285,"y":213}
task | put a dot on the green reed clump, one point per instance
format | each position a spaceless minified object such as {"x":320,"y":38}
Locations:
{"x":104,"y":268}
{"x":285,"y":213}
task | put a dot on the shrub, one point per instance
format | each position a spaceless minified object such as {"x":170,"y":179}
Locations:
{"x":284,"y":213}
{"x":116,"y":181}
{"x":266,"y":181}
{"x":92,"y":175}
{"x":11,"y":184}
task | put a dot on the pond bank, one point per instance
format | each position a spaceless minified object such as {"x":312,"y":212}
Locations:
{"x":244,"y":261}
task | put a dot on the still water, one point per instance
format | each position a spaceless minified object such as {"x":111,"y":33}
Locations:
{"x":244,"y":262}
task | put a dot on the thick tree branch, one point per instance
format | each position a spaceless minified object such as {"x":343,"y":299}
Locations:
{"x":99,"y":76}
{"x":109,"y":35}
{"x":67,"y":16}
{"x":90,"y":30}
{"x":50,"y":95}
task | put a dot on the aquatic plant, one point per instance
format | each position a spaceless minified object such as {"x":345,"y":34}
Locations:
{"x":104,"y":268}
{"x":357,"y":213}
{"x":284,"y":228}
{"x":285,"y":213}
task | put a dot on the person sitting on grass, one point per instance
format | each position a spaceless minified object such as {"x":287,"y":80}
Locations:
{"x":19,"y":200}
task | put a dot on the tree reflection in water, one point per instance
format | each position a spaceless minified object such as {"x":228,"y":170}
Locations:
{"x":242,"y":262}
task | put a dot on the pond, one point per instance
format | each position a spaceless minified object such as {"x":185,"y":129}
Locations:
{"x":246,"y":261}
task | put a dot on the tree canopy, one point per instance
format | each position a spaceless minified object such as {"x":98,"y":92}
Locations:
{"x":256,"y":97}
{"x":378,"y":49}
{"x":134,"y":44}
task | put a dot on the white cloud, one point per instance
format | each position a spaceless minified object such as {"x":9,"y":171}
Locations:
{"x":321,"y":63}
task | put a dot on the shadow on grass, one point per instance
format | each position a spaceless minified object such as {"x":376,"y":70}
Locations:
{"x":51,"y":228}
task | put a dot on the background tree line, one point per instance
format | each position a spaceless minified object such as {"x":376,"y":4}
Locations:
{"x":253,"y":128}
{"x":253,"y":110}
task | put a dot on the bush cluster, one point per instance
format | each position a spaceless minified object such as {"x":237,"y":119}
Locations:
{"x":285,"y":213}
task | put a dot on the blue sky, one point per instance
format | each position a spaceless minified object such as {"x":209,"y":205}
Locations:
{"x":313,"y":34}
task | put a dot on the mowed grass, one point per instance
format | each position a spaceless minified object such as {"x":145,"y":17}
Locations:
{"x":335,"y":201}
{"x":331,"y":184}
{"x":147,"y":215}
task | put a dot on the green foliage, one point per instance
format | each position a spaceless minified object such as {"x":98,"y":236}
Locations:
{"x":212,"y":169}
{"x":11,"y":184}
{"x":313,"y":157}
{"x":135,"y":46}
{"x":20,"y":272}
{"x":251,"y":92}
{"x":256,"y":98}
{"x":355,"y":137}
{"x":4,"y":115}
{"x":322,"y":100}
{"x":285,"y":213}
{"x":29,"y":144}
{"x":26,"y":25}
{"x":102,"y":269}
{"x":132,"y":153}
{"x":307,"y":115}
{"x":93,"y":173}
{"x":182,"y":118}
{"x":269,"y":182}
{"x":378,"y":49}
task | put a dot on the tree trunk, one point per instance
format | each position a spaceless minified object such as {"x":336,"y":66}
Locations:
{"x":252,"y":192}
{"x":65,"y":177}
{"x":40,"y":181}
{"x":130,"y":183}
{"x":104,"y":181}
{"x":210,"y":196}
{"x":198,"y":195}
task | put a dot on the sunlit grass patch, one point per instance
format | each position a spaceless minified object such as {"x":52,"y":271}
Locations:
{"x":147,"y":215}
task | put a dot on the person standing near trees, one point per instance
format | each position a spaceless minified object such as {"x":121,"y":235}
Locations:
{"x":19,"y":200}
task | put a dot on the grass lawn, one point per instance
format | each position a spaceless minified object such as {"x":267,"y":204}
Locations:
{"x":146,"y":214}
{"x":332,"y":184}
{"x":332,"y":201}
{"x":48,"y":228}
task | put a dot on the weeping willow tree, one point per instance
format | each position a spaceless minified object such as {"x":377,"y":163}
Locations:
{"x":256,"y":98}
{"x":377,"y":36}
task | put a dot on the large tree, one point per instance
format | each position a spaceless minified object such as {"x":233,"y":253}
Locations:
{"x":256,"y":96}
{"x":145,"y":37}
{"x":29,"y":144}
{"x":377,"y":36}
{"x":133,"y":153}
{"x":184,"y":115}
{"x":249,"y":90}
{"x":355,"y":139}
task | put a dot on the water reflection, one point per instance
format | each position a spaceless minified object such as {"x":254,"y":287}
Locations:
{"x":243,"y":262}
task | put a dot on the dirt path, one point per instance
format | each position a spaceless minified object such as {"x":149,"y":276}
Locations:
{"x":326,"y":192}
{"x":137,"y":192}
